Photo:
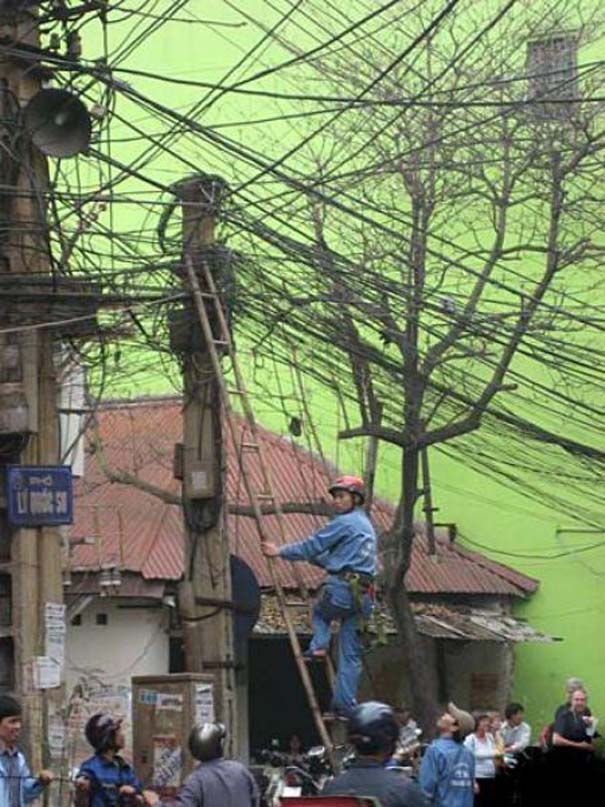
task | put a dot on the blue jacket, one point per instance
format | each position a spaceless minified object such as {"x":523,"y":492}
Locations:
{"x":30,"y":786}
{"x":346,"y":543}
{"x":447,"y":774}
{"x":106,"y":778}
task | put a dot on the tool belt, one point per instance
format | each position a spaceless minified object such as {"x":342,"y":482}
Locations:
{"x":365,"y":581}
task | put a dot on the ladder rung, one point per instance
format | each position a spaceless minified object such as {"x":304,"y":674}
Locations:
{"x":269,"y":496}
{"x":220,"y":342}
{"x":208,"y":294}
{"x":296,"y":604}
{"x":235,"y":391}
{"x":250,"y":446}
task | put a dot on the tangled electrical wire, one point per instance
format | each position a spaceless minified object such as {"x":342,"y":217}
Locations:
{"x":415,"y":221}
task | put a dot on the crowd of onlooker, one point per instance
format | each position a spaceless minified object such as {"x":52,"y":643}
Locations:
{"x":506,"y":768}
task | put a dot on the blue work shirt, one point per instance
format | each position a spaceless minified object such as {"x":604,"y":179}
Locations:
{"x":15,"y":792}
{"x":106,"y":778}
{"x":447,"y":774}
{"x":346,"y":543}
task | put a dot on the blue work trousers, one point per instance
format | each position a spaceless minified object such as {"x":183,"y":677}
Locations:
{"x":337,"y":603}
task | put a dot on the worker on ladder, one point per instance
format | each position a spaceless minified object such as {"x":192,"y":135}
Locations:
{"x":346,"y":548}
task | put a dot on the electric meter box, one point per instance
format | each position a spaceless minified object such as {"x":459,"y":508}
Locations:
{"x":164,"y":710}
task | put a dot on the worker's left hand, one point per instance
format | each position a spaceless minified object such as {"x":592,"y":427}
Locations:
{"x":45,"y":777}
{"x":127,"y":790}
{"x":269,"y":549}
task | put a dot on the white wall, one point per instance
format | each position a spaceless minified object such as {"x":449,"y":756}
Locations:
{"x":133,"y":642}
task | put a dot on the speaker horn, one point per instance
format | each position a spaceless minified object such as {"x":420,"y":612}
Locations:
{"x":58,"y":123}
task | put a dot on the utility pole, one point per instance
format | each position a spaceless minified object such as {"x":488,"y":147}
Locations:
{"x":205,"y":599}
{"x":32,"y":439}
{"x":31,"y":556}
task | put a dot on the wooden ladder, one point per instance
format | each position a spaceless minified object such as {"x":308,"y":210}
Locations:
{"x":250,"y":453}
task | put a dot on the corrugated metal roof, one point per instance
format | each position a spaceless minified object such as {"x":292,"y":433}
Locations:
{"x":141,"y":533}
{"x":456,"y":623}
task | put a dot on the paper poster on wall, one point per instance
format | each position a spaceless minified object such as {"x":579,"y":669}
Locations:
{"x":148,"y":697}
{"x":204,"y":704}
{"x":46,"y":673}
{"x":56,"y":736}
{"x":167,"y":764}
{"x":89,"y":698}
{"x":169,"y":702}
{"x":54,"y":637}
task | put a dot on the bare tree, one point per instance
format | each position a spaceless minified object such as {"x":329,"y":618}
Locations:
{"x":446,"y":247}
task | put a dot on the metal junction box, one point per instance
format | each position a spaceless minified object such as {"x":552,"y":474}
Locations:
{"x":164,"y":710}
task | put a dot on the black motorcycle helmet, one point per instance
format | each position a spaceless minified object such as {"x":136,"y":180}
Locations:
{"x":373,"y":728}
{"x":206,"y":741}
{"x":101,"y":730}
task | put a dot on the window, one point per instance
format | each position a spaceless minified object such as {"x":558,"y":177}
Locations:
{"x":552,"y":73}
{"x":484,"y":691}
{"x":102,"y":619}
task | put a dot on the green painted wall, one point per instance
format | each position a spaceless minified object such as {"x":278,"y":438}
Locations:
{"x":506,"y":525}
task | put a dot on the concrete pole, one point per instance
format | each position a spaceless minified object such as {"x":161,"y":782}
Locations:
{"x":205,"y":594}
{"x":35,"y":552}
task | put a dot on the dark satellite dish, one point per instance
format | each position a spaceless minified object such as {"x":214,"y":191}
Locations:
{"x":247,"y":599}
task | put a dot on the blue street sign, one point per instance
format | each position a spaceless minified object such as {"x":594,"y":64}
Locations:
{"x":39,"y":495}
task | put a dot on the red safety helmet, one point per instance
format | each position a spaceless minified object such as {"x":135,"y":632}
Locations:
{"x":101,"y":730}
{"x":353,"y":484}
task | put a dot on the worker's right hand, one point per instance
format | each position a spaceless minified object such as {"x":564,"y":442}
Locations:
{"x":151,"y":798}
{"x":82,"y":783}
{"x":269,"y":549}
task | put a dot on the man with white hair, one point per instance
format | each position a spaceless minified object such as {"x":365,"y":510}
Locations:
{"x":572,"y":685}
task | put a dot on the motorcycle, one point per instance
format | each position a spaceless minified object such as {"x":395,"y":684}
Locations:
{"x":309,"y":776}
{"x":407,"y":756}
{"x":281,"y":777}
{"x":271,"y":778}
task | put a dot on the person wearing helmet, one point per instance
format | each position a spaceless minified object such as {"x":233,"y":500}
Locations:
{"x":447,"y":770}
{"x":106,"y":779}
{"x":346,"y":549}
{"x":373,"y":731}
{"x":216,"y":780}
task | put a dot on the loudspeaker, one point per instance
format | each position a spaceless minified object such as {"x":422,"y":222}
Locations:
{"x":58,"y":123}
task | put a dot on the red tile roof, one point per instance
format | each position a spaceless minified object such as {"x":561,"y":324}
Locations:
{"x":141,"y":533}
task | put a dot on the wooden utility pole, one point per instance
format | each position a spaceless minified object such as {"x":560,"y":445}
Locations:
{"x":205,"y":595}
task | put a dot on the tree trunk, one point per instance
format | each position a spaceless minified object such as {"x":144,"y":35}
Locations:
{"x":419,"y":670}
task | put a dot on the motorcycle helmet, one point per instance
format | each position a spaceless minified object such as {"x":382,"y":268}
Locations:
{"x":373,"y":727}
{"x":352,"y":484}
{"x":206,"y":741}
{"x":100,"y":731}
